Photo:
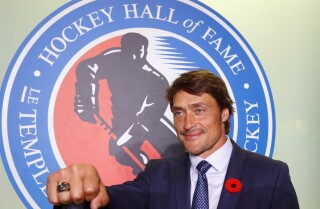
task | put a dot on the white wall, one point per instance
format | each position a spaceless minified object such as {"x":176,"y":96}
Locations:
{"x":284,"y":35}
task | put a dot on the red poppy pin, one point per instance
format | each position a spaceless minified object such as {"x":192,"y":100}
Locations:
{"x":233,"y":185}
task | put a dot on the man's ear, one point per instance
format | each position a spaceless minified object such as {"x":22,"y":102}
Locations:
{"x":225,"y":115}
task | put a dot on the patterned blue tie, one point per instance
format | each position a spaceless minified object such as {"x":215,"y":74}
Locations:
{"x":200,"y":197}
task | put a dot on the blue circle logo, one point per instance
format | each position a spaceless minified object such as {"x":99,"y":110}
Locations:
{"x":88,"y":85}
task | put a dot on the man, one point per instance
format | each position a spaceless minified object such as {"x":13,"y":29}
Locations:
{"x":235,"y":179}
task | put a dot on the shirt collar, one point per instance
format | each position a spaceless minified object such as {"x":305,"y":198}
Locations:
{"x":219,"y":159}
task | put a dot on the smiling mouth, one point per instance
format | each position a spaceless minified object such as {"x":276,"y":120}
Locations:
{"x":192,"y":135}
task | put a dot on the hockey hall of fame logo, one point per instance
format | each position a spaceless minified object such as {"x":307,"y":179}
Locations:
{"x":88,"y":85}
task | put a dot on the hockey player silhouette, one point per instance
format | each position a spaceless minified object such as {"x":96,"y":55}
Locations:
{"x":138,"y":102}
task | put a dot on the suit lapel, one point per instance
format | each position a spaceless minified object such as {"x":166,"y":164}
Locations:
{"x":236,"y":169}
{"x":182,"y":183}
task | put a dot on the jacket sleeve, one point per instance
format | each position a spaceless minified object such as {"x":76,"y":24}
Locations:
{"x":131,"y":194}
{"x":284,"y":193}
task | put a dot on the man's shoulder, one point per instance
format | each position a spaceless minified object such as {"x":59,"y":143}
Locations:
{"x":253,"y":158}
{"x":108,"y":54}
{"x":259,"y":160}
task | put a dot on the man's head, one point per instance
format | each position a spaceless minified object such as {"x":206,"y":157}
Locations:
{"x":135,"y":46}
{"x":199,"y":82}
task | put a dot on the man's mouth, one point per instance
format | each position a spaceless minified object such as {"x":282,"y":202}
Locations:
{"x":192,"y":134}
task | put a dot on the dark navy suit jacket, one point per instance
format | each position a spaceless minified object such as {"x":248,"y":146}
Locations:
{"x":165,"y":184}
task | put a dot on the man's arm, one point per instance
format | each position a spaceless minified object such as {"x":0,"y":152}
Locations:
{"x":86,"y":103}
{"x":284,"y":194}
{"x":131,"y":194}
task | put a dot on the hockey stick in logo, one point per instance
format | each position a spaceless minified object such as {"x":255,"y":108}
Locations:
{"x":146,"y":146}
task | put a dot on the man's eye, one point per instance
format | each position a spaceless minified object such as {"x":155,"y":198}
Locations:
{"x":177,"y":113}
{"x":200,"y":111}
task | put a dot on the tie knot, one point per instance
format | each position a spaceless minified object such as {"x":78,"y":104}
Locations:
{"x":203,"y":167}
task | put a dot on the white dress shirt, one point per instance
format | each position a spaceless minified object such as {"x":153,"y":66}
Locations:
{"x":215,"y":175}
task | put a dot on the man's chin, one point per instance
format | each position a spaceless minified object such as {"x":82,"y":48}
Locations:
{"x":191,"y":149}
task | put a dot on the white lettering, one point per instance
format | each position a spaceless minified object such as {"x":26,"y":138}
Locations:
{"x":158,"y":13}
{"x":232,"y":60}
{"x":253,"y":126}
{"x":71,"y":34}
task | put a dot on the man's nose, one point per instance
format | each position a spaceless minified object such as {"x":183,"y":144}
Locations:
{"x":189,"y":121}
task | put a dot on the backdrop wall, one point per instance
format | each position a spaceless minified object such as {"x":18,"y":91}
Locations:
{"x":285,"y":37}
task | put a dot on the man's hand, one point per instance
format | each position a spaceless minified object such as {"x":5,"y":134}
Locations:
{"x":85,"y":185}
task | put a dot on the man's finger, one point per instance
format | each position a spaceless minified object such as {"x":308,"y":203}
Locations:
{"x":76,"y":187}
{"x":51,"y":189}
{"x":91,"y":183}
{"x":101,"y":200}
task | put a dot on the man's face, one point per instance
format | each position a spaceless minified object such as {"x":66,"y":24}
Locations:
{"x":199,"y":123}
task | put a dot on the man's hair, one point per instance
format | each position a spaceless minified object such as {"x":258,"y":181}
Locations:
{"x":202,"y":81}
